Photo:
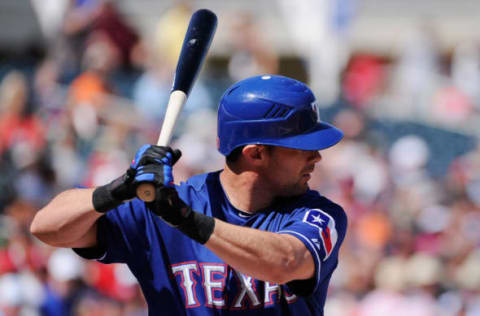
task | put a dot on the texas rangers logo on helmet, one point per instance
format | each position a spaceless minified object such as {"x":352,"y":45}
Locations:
{"x":326,"y":229}
{"x":315,"y":110}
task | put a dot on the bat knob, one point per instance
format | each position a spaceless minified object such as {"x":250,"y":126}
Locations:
{"x":146,"y":192}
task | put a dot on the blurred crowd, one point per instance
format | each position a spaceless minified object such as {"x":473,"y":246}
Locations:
{"x":76,"y":117}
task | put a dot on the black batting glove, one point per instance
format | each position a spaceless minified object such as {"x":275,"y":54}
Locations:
{"x":171,"y":208}
{"x":151,"y":163}
{"x":154,"y":164}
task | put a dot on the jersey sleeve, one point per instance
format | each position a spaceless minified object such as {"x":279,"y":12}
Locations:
{"x":121,"y":232}
{"x":322,"y":231}
{"x":126,"y":233}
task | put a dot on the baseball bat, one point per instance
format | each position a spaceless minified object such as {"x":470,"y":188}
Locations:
{"x":194,"y":49}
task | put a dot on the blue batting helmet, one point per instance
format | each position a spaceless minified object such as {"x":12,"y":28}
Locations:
{"x":272,"y":110}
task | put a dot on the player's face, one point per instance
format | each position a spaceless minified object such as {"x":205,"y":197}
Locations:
{"x":288,"y":170}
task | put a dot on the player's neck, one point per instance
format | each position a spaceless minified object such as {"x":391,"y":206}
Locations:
{"x":244,"y":190}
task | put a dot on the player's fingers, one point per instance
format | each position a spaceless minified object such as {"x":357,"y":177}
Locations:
{"x":138,"y":155}
{"x":162,"y":155}
{"x":148,"y":159}
{"x":152,"y":173}
{"x":163,"y":151}
{"x":176,"y":154}
{"x":159,"y":151}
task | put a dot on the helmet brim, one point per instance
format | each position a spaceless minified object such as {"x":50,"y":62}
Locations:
{"x":322,"y":136}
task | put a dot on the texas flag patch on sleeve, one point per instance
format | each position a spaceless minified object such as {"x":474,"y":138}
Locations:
{"x":326,"y":229}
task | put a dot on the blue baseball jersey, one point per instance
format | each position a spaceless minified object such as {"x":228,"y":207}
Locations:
{"x":179,"y":276}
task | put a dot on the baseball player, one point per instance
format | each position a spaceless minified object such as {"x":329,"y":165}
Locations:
{"x":251,"y":239}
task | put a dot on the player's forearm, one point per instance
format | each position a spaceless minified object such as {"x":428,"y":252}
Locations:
{"x":264,"y":255}
{"x":66,"y":220}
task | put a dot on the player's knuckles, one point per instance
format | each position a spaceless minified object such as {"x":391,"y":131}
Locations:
{"x":139,"y":154}
{"x":150,"y":159}
{"x":159,"y":150}
{"x":153,"y":168}
{"x":176,"y":154}
{"x":140,"y":161}
{"x":166,"y":154}
{"x":144,"y":177}
{"x":154,"y":175}
{"x":173,"y":154}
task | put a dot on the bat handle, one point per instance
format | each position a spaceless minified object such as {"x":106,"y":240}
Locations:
{"x":178,"y":98}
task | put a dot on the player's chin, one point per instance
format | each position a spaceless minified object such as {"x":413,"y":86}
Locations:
{"x":299,"y":189}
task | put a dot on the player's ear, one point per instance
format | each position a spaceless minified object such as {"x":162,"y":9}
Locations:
{"x":255,"y":154}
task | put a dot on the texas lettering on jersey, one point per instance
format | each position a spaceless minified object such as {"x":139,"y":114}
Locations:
{"x":179,"y":276}
{"x":210,"y":279}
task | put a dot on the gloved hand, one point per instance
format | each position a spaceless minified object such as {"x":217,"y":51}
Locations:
{"x":151,"y":163}
{"x":154,"y":164}
{"x":173,"y":210}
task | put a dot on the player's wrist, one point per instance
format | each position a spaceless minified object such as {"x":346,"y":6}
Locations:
{"x":111,"y":195}
{"x":197,"y":226}
{"x":103,"y":199}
